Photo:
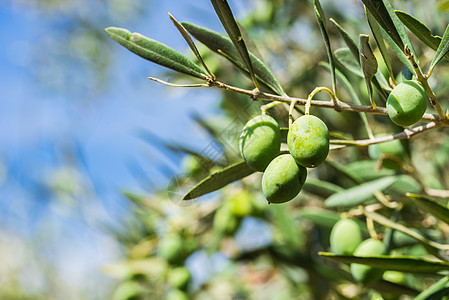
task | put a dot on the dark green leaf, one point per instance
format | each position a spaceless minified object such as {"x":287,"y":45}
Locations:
{"x":347,"y":60}
{"x":227,"y":19}
{"x":380,"y":13}
{"x":404,"y":184}
{"x":223,"y":45}
{"x":322,"y":24}
{"x":379,"y":41}
{"x":398,"y":51}
{"x":190,"y":42}
{"x":219,"y":180}
{"x":320,"y":217}
{"x":368,"y":62}
{"x":155,"y":51}
{"x":442,"y":50}
{"x":431,"y":206}
{"x":394,"y":263}
{"x":359,"y":194}
{"x":419,"y":29}
{"x":441,"y":284}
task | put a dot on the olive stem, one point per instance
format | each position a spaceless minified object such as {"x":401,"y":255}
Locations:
{"x":266,"y":107}
{"x":313,"y":93}
{"x":406,"y":134}
{"x":383,"y":199}
{"x":337,"y":105}
{"x":423,"y":80}
{"x":371,"y":229}
{"x":388,"y":223}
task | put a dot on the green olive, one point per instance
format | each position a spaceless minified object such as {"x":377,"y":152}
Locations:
{"x":176,"y":294}
{"x":366,"y":274}
{"x":392,"y":148}
{"x":170,"y":248}
{"x":179,"y":277}
{"x":283,"y":179}
{"x":345,"y":237}
{"x":308,"y":141}
{"x":260,"y":142}
{"x":407,"y":103}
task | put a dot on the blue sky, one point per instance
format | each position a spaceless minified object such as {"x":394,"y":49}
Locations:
{"x":91,"y":135}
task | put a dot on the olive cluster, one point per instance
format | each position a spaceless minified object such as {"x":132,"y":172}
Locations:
{"x":346,"y":239}
{"x":285,"y":174}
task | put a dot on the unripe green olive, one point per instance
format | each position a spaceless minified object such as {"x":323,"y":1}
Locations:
{"x":179,"y":277}
{"x":176,"y":294}
{"x":345,"y":237}
{"x":241,"y":204}
{"x":260,"y":141}
{"x":170,"y":248}
{"x":308,"y":141}
{"x":407,"y":103}
{"x":283,"y":179}
{"x":366,"y":274}
{"x":392,"y":148}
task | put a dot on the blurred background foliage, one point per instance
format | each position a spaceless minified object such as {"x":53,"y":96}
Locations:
{"x":64,"y":218}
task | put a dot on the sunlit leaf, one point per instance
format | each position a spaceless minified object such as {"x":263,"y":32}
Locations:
{"x":359,"y":194}
{"x":223,"y":45}
{"x":155,"y":51}
{"x":442,"y":50}
{"x":322,"y":24}
{"x":431,"y":206}
{"x":394,"y":263}
{"x":219,"y":180}
{"x":227,"y":19}
{"x":347,"y":38}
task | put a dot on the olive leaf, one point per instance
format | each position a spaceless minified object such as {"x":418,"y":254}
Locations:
{"x":190,"y":42}
{"x":401,"y":263}
{"x":320,"y":217}
{"x":366,"y":169}
{"x":219,"y":180}
{"x":442,"y":50}
{"x":320,"y":187}
{"x":379,"y":11}
{"x":155,"y":51}
{"x":369,"y":64}
{"x":347,"y":38}
{"x":360,"y":193}
{"x":420,"y":30}
{"x":346,"y":59}
{"x":431,"y":206}
{"x":322,"y":24}
{"x":224,"y":46}
{"x":229,"y":23}
{"x":374,"y":26}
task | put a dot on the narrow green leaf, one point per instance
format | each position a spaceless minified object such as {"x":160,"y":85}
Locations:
{"x":369,"y":64}
{"x":320,"y":187}
{"x":321,"y":22}
{"x":347,"y":38}
{"x":190,"y":42}
{"x":320,"y":217}
{"x":355,"y":98}
{"x":229,"y":23}
{"x":443,"y":283}
{"x":223,"y":45}
{"x":155,"y":51}
{"x":347,"y":60}
{"x":442,"y":50}
{"x":379,"y":41}
{"x":404,"y":184}
{"x":420,"y":30}
{"x":398,"y":51}
{"x":380,"y":13}
{"x":366,"y":169}
{"x":219,"y":180}
{"x":359,"y":194}
{"x":409,"y":264}
{"x":431,"y":206}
